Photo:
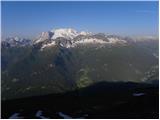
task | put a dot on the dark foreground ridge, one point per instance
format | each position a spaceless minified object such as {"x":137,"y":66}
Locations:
{"x":102,"y":100}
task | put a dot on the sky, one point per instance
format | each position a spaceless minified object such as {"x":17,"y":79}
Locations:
{"x":28,"y":19}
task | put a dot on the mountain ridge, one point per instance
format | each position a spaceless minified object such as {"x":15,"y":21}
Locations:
{"x":68,"y":37}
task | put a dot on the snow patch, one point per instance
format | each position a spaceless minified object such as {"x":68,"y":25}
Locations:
{"x":85,"y":33}
{"x":91,"y":40}
{"x":48,"y":45}
{"x":39,"y":115}
{"x":69,"y":117}
{"x":15,"y":116}
{"x":64,"y":116}
{"x":138,"y":94}
{"x":116,"y":40}
{"x":155,"y":55}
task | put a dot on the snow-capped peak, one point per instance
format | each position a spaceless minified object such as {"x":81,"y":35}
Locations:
{"x":67,"y":33}
{"x":17,"y":38}
{"x":16,"y":41}
{"x":68,"y":37}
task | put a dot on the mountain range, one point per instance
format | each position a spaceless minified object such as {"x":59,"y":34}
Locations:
{"x":64,"y":59}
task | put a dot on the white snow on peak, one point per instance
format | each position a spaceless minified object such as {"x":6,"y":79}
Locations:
{"x":98,"y":41}
{"x":48,"y":45}
{"x":91,"y":40}
{"x":67,"y":33}
{"x":85,"y":33}
{"x":85,"y":41}
{"x":115,"y":40}
{"x":16,"y":38}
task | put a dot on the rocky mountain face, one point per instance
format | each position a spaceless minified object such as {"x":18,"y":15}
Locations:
{"x":64,"y":60}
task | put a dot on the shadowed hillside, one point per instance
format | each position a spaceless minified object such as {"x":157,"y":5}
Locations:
{"x":100,"y":100}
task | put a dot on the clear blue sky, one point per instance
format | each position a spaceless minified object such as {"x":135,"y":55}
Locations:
{"x":28,"y":19}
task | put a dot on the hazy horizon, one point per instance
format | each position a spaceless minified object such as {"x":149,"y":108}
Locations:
{"x":28,"y":19}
